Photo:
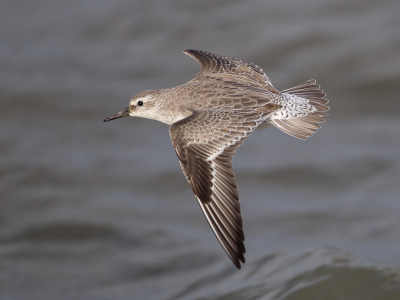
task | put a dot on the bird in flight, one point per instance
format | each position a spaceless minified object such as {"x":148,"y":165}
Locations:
{"x":211,"y":116}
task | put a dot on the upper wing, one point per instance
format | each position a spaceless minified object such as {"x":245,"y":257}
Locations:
{"x":205,"y":143}
{"x":230,"y":69}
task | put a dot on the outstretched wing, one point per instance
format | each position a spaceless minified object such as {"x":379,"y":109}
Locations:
{"x":205,"y":143}
{"x":216,"y":66}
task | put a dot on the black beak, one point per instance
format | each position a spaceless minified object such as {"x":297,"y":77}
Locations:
{"x":121,"y":114}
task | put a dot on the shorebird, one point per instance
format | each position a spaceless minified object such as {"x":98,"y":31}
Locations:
{"x":211,"y":116}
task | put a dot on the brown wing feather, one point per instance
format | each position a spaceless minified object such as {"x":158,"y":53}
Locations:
{"x":205,"y":147}
{"x":218,"y":66}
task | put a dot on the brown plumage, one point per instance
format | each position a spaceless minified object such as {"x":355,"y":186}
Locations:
{"x":211,"y":116}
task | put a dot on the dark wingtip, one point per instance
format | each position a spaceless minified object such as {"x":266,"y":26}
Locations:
{"x":236,"y":261}
{"x":237,"y":265}
{"x":191,"y":52}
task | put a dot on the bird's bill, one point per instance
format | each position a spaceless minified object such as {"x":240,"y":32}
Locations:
{"x":121,"y":114}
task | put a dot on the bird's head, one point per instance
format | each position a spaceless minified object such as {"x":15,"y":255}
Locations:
{"x":143,"y":104}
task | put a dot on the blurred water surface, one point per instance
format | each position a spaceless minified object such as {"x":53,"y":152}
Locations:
{"x":102,"y":211}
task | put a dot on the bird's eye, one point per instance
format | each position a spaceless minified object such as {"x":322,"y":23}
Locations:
{"x":140,"y":103}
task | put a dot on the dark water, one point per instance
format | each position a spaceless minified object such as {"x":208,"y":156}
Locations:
{"x":93,"y":210}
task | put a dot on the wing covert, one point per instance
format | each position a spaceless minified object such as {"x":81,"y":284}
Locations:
{"x":231,"y":69}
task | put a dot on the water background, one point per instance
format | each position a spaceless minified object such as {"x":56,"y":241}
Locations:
{"x":93,"y":210}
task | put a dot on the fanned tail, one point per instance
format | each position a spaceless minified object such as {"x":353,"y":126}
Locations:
{"x":304,"y":106}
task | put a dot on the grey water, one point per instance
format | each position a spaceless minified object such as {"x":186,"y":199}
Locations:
{"x":93,"y":210}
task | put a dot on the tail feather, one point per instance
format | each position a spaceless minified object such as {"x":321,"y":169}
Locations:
{"x":304,"y":109}
{"x":300,"y":123}
{"x":286,"y":128}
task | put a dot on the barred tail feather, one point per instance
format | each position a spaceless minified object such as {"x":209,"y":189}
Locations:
{"x":302,"y":122}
